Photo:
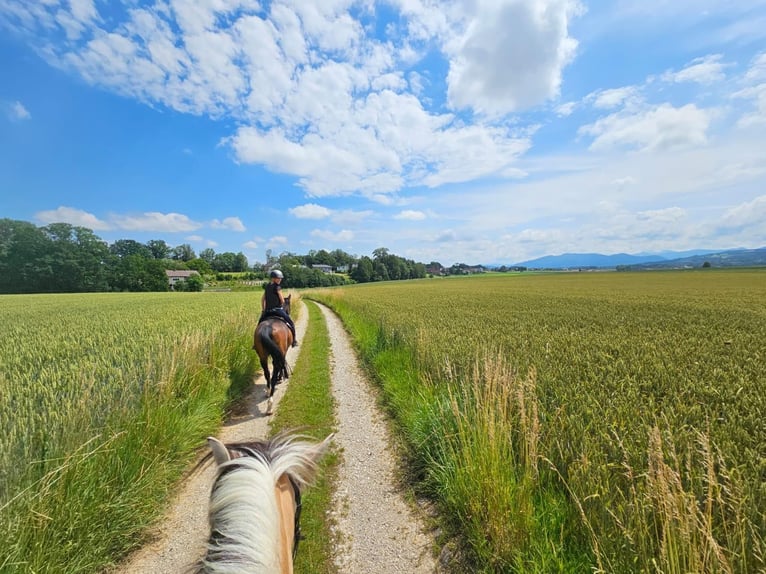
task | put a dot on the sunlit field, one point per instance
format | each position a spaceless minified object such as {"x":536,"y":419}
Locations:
{"x":578,"y":421}
{"x":103,"y":398}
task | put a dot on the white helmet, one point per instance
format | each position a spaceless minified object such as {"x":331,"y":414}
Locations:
{"x":276,"y":273}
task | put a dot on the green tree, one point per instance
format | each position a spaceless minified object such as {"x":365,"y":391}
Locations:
{"x":200,"y":265}
{"x":207,"y":255}
{"x":362,"y":273}
{"x":128,"y":247}
{"x":136,"y":273}
{"x":194,"y":283}
{"x":24,"y":267}
{"x":183,"y":252}
{"x":158,"y":248}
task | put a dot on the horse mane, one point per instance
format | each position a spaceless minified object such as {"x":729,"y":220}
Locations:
{"x":243,"y":515}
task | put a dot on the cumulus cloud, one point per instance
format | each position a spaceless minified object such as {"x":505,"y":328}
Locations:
{"x":749,"y":214}
{"x":232,"y":223}
{"x":155,"y":221}
{"x":316,"y":93}
{"x":658,"y":128}
{"x":73,"y":216}
{"x":410,"y":215}
{"x":510,"y":55}
{"x":310,"y":211}
{"x":705,"y":70}
{"x":343,"y":235}
{"x":613,"y":98}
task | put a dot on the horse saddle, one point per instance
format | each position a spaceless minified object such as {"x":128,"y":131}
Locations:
{"x":274,"y":314}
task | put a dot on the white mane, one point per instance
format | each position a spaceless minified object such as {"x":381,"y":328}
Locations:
{"x":244,"y":518}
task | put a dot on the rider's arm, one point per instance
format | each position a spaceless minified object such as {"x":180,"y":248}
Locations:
{"x":263,"y":301}
{"x":281,"y":298}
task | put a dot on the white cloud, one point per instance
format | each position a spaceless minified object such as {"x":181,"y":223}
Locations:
{"x":510,"y":55}
{"x":755,"y":91}
{"x":252,"y":245}
{"x":705,"y":70}
{"x":155,"y":221}
{"x":276,"y":241}
{"x":310,"y":211}
{"x":659,"y":128}
{"x":315,"y":94}
{"x":15,"y":111}
{"x":410,"y":215}
{"x":749,"y":214}
{"x":19,"y":112}
{"x":350,"y":216}
{"x":72,"y":216}
{"x":343,"y":235}
{"x":232,"y":223}
{"x":566,"y":109}
{"x":614,"y":98}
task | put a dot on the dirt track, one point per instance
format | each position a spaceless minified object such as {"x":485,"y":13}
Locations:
{"x":379,"y":533}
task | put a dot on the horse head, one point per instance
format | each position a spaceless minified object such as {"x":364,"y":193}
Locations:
{"x":286,"y":305}
{"x":255,"y":503}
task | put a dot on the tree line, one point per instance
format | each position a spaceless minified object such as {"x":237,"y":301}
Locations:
{"x":64,"y":258}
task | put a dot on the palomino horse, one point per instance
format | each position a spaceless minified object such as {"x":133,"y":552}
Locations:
{"x":273,"y":338}
{"x":255,"y":504}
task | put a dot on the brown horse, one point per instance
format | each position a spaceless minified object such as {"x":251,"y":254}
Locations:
{"x":255,"y":504}
{"x":273,"y":338}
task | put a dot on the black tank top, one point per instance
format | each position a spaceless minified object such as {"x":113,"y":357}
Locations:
{"x":272,"y":295}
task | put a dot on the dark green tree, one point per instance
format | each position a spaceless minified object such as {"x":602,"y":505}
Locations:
{"x":127,"y":247}
{"x":183,"y":252}
{"x":159,"y":249}
{"x":362,"y":273}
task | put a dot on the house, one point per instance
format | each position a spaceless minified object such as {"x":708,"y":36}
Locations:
{"x":176,"y":276}
{"x":435,"y":269}
{"x":322,"y":268}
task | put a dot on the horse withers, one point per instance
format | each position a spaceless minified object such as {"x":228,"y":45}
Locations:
{"x":272,"y":338}
{"x":255,"y":503}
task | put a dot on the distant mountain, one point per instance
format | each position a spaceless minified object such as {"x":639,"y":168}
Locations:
{"x":733,"y":258}
{"x":664,"y":260}
{"x":576,"y":260}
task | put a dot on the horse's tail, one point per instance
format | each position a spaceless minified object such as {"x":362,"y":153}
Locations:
{"x":277,"y":356}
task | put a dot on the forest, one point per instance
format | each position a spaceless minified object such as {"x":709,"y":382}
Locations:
{"x":64,"y":258}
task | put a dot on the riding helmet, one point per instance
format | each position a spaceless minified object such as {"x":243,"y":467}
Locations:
{"x":276,"y":273}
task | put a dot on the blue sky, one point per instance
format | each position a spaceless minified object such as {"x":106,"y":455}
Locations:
{"x":465,"y":131}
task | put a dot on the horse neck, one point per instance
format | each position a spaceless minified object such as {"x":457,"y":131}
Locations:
{"x":246,"y":517}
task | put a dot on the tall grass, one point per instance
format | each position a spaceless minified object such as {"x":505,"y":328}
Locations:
{"x":640,"y":406}
{"x":103,"y":400}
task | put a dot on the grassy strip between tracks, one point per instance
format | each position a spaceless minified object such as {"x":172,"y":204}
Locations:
{"x":308,"y":407}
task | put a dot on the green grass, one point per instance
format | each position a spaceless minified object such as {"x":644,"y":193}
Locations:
{"x":104,"y":400}
{"x":308,"y":407}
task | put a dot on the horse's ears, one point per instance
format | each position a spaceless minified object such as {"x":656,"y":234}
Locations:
{"x":220,"y":452}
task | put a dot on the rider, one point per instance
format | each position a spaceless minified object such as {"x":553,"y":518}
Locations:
{"x":272,"y":302}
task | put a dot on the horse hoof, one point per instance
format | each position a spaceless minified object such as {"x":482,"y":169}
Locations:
{"x":270,"y":406}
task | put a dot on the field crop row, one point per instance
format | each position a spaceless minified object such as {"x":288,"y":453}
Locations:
{"x":611,"y":421}
{"x":103,"y":399}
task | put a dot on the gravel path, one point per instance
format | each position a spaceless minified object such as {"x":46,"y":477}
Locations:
{"x":180,"y":539}
{"x":378,"y":532}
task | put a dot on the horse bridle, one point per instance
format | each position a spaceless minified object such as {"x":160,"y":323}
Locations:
{"x":297,"y":532}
